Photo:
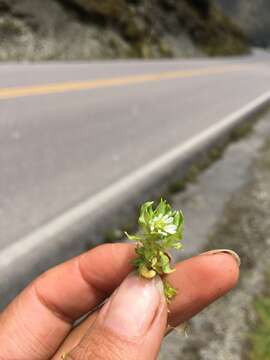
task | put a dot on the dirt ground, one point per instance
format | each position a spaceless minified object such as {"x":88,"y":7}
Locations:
{"x":228,"y":207}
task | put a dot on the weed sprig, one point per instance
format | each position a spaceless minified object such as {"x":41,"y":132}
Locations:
{"x":160,"y":230}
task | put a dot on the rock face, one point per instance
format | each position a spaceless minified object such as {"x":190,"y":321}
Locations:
{"x":90,"y":29}
{"x":252,"y":16}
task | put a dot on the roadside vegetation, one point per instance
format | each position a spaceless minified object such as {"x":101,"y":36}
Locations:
{"x":260,"y":336}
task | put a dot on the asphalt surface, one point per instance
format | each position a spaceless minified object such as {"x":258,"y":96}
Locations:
{"x":59,"y":148}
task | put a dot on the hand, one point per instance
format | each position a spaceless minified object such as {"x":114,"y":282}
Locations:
{"x":38,"y":324}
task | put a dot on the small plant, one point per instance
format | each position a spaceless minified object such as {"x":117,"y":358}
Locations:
{"x":160,"y":230}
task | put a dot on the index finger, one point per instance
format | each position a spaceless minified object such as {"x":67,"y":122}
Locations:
{"x":42,"y":315}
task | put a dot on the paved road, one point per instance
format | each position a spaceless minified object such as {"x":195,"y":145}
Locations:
{"x":63,"y":143}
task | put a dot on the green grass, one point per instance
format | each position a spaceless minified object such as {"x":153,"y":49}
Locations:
{"x":260,"y":336}
{"x":240,"y":131}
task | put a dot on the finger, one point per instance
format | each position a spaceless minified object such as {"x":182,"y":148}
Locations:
{"x":199,"y":280}
{"x":42,"y":315}
{"x":130,"y":326}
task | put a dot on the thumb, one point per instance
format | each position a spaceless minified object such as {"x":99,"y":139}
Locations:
{"x":130,"y":326}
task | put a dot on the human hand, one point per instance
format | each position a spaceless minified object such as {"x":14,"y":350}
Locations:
{"x":39,"y":323}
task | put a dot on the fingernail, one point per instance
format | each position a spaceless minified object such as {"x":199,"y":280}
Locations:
{"x":131,"y":310}
{"x":225,"y":251}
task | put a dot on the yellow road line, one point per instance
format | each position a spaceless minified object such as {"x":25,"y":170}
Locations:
{"x":15,"y":92}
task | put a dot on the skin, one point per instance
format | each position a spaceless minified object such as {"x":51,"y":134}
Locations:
{"x":38,"y":324}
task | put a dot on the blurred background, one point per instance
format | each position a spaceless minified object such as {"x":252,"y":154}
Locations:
{"x":90,"y":29}
{"x":105,"y":104}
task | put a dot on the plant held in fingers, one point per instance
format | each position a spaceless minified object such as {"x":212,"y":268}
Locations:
{"x":160,"y":230}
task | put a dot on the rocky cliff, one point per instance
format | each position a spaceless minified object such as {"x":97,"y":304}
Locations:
{"x":89,"y":29}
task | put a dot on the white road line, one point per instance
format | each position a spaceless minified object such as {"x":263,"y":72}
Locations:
{"x":119,"y":189}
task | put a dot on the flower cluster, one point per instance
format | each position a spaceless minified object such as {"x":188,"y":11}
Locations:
{"x":160,"y":230}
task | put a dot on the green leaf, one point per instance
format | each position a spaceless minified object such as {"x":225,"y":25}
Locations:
{"x":169,"y":291}
{"x":133,"y":237}
{"x":165,"y":263}
{"x":145,"y":213}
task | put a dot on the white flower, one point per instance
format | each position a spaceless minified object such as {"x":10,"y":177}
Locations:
{"x":162,"y":224}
